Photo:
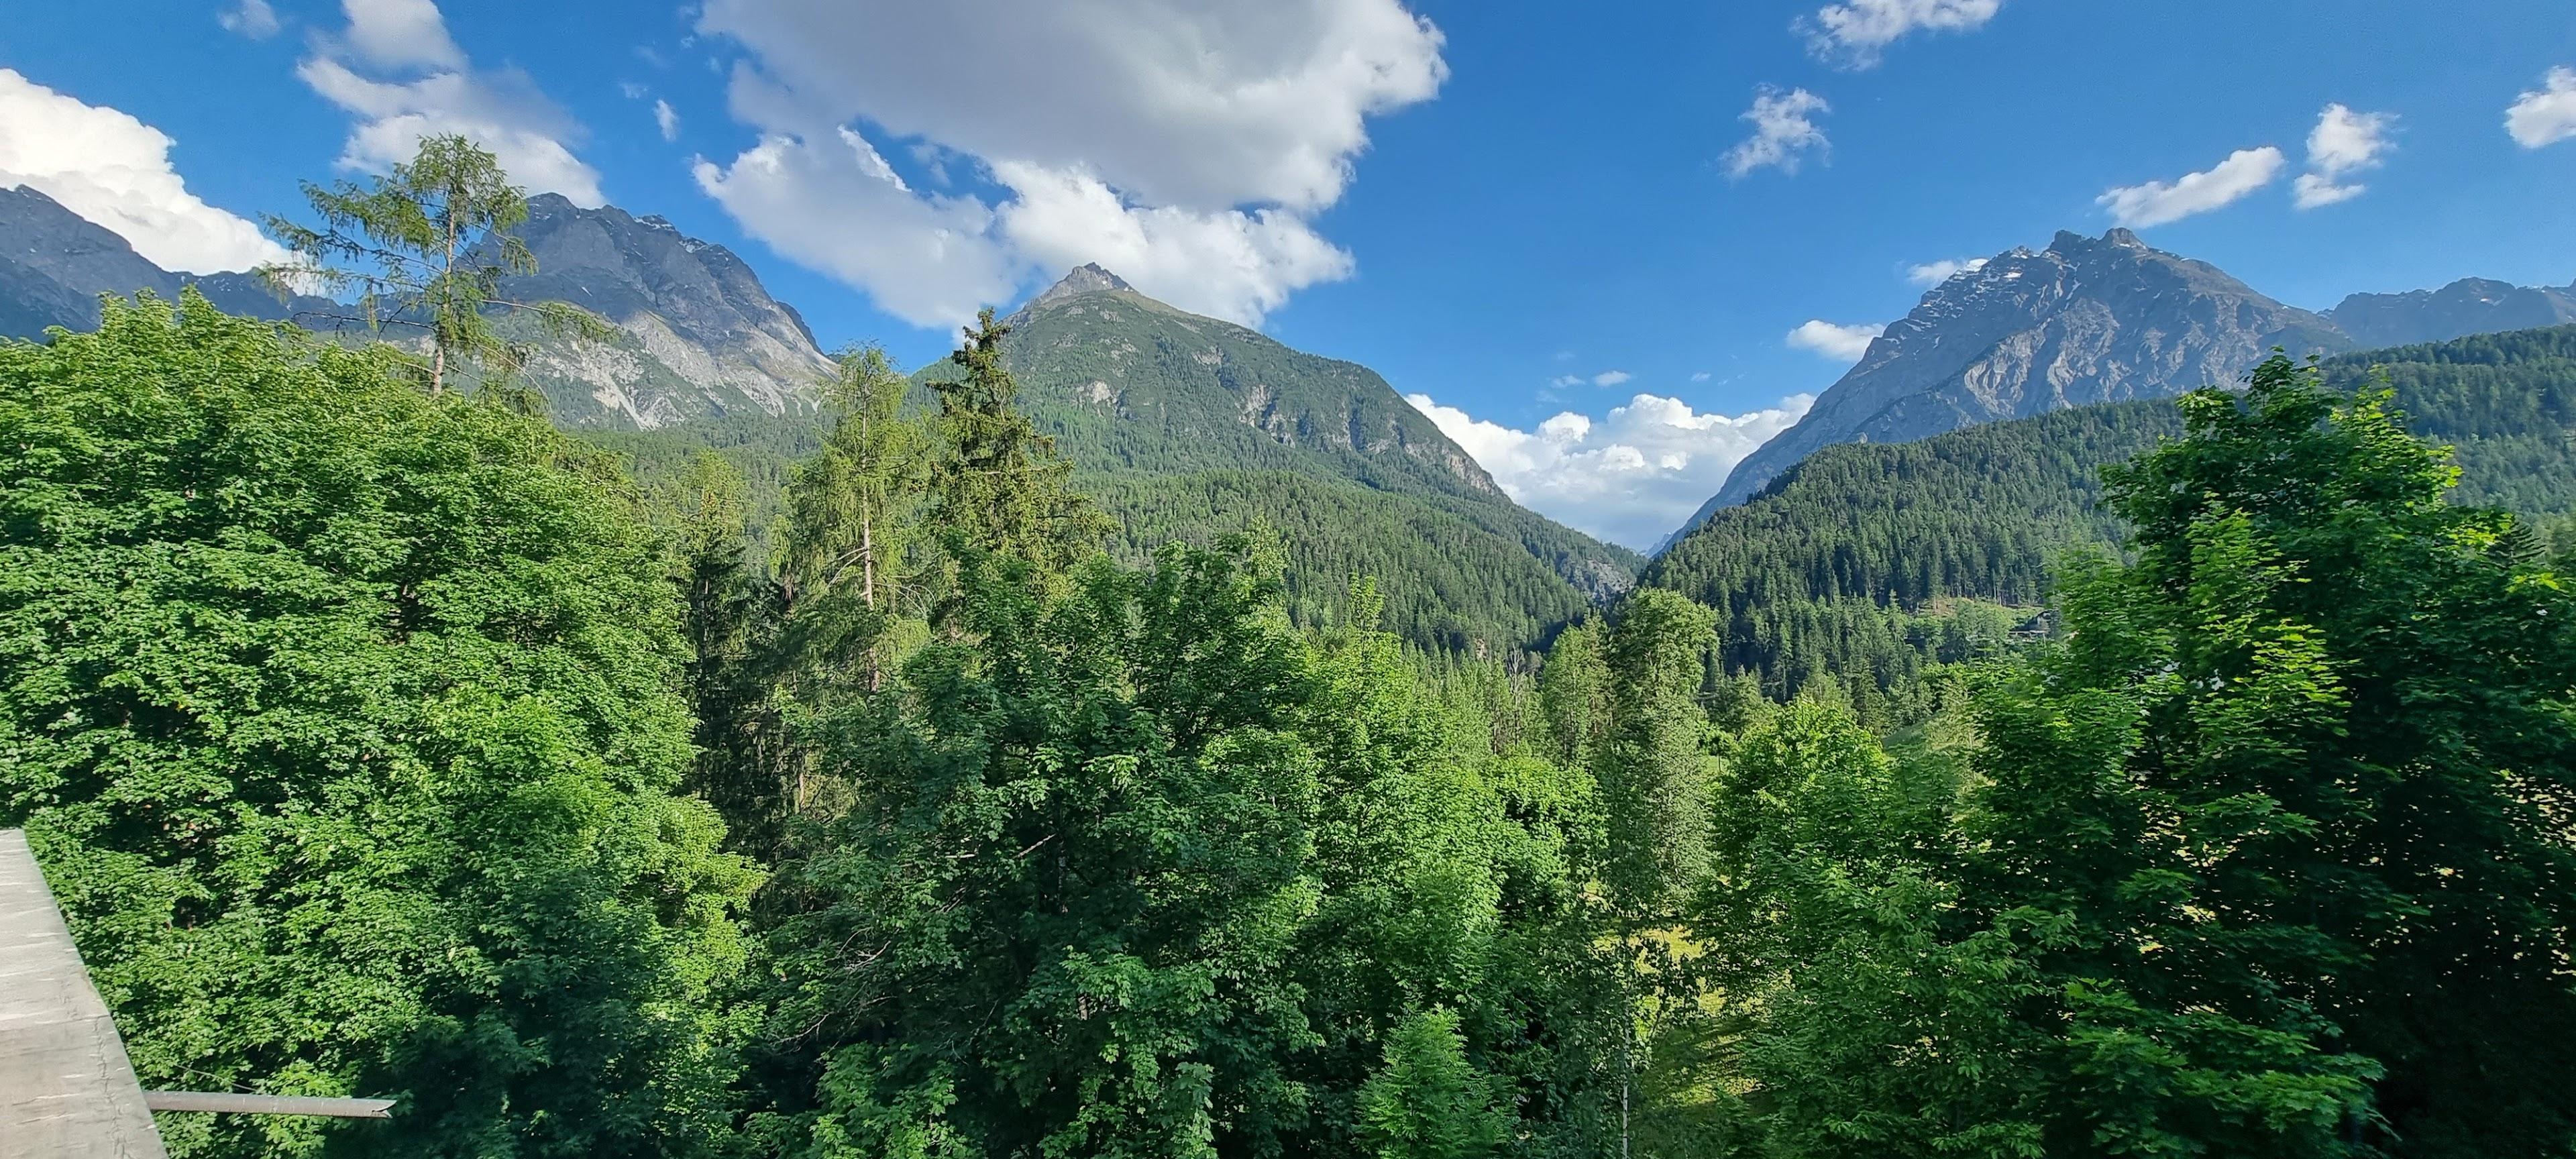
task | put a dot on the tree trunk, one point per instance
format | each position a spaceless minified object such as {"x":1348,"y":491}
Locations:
{"x":447,"y":286}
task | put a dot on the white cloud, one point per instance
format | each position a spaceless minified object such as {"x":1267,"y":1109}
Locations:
{"x":929,"y":260}
{"x":2343,"y":143}
{"x":1931,"y":274}
{"x":667,"y":119}
{"x":1699,"y":376}
{"x":1840,"y":343}
{"x":2545,"y":115}
{"x":1784,"y":128}
{"x":251,"y":18}
{"x":1228,"y":264}
{"x":1611,"y":378}
{"x":115,"y":171}
{"x":1566,"y":380}
{"x":501,"y":111}
{"x":1185,"y":145}
{"x":394,"y":34}
{"x":1631,"y":477}
{"x":1854,"y":33}
{"x":2158,"y":202}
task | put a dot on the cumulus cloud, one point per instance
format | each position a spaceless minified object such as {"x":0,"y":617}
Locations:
{"x":666,"y":119}
{"x":251,"y":18}
{"x":1840,"y":343}
{"x":115,"y":171}
{"x":1611,"y":378}
{"x":1784,"y":128}
{"x":1630,"y":477}
{"x":1856,"y":32}
{"x":1228,"y":264}
{"x":2343,"y":143}
{"x":402,"y":77}
{"x":2545,"y":115}
{"x":1931,"y":274}
{"x":394,"y":34}
{"x":2159,"y":202}
{"x":929,"y":259}
{"x":1185,"y":145}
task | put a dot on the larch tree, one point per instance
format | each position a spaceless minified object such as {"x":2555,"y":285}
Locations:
{"x":425,"y":248}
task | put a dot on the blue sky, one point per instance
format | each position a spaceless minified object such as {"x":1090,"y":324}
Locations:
{"x":1530,"y":215}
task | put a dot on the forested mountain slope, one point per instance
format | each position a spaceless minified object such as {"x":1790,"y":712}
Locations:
{"x":1860,"y":560}
{"x":1186,"y":427}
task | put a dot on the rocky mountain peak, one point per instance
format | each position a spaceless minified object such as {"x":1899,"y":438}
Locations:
{"x":692,"y":306}
{"x":1087,"y":278}
{"x":2085,"y":320}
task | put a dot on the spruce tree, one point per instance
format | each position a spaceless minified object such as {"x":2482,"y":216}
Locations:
{"x":999,"y":484}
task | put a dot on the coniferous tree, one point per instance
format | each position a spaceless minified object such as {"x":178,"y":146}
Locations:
{"x":728,"y":616}
{"x":1652,"y":762}
{"x":1430,"y":1102}
{"x":999,"y":484}
{"x":1573,"y":696}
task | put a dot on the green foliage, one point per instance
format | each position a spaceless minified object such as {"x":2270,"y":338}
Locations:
{"x":2268,"y":857}
{"x":2360,"y":696}
{"x":853,"y":505}
{"x":1477,"y":577}
{"x":764,"y":449}
{"x":1128,"y":869}
{"x":431,"y":242}
{"x":1189,"y":428}
{"x":345,"y":720}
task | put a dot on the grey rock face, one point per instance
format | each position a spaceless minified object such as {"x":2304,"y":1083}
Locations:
{"x":688,"y":307}
{"x":2465,"y":307}
{"x":2085,"y":320}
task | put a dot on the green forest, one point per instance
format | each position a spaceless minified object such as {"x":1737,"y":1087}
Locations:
{"x":380,"y":739}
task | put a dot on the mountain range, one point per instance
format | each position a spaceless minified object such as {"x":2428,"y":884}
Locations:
{"x":2105,"y":319}
{"x":697,"y":335}
{"x":1185,"y":426}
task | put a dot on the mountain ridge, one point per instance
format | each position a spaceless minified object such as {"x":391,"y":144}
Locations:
{"x":2084,"y":320}
{"x":697,"y":333}
{"x":2464,"y":307}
